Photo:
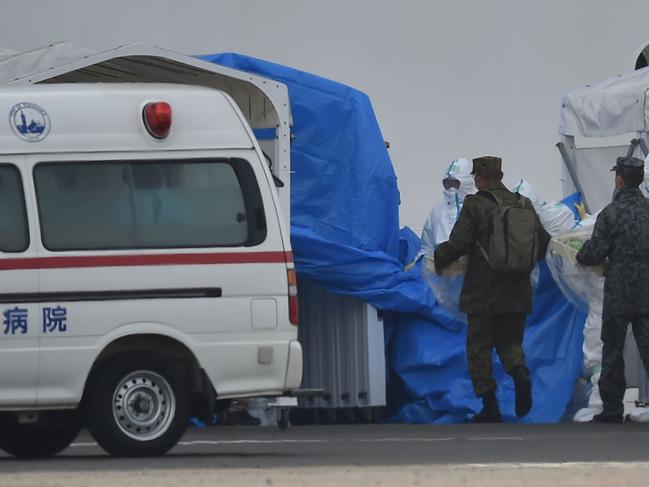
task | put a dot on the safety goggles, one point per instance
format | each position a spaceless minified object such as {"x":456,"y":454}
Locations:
{"x":450,"y":183}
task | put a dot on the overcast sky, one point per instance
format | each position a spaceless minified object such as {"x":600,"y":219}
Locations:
{"x":448,"y":78}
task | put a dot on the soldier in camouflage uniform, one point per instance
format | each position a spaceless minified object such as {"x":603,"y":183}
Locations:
{"x":496,"y":304}
{"x":621,"y":237}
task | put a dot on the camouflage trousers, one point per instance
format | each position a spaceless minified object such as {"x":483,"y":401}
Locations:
{"x":504,"y":332}
{"x":612,"y":383}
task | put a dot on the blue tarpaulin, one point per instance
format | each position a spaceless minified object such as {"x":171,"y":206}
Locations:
{"x":344,"y":195}
{"x":345,"y":236}
{"x":429,"y":364}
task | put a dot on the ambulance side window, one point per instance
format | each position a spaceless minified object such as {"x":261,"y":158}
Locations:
{"x":149,"y":204}
{"x":14,"y":233}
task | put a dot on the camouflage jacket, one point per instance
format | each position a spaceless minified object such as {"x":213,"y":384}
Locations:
{"x":485,"y":290}
{"x":621,"y":235}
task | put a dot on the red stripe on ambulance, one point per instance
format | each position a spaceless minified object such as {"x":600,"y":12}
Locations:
{"x":73,"y":262}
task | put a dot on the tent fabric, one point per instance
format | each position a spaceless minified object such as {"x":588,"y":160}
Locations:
{"x":344,"y":195}
{"x":20,"y":65}
{"x":613,"y":107}
{"x":338,"y":159}
{"x":345,"y":236}
{"x":5,"y":53}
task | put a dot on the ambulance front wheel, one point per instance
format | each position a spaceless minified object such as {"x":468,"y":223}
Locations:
{"x":138,"y":404}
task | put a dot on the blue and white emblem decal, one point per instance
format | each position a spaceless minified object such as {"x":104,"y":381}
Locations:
{"x":29,"y":122}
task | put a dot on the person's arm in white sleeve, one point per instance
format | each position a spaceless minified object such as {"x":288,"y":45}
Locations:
{"x":428,"y":236}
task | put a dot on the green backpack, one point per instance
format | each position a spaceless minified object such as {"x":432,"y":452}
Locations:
{"x":513,"y":244}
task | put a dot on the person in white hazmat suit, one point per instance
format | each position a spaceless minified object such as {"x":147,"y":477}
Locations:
{"x":593,"y":289}
{"x":457,"y":183}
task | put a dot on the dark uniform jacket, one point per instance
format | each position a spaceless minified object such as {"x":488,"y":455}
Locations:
{"x":485,"y":290}
{"x":621,"y":234}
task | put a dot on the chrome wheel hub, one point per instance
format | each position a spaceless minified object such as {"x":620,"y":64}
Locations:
{"x":143,"y":405}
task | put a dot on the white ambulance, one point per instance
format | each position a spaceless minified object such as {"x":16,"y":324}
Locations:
{"x":145,"y":269}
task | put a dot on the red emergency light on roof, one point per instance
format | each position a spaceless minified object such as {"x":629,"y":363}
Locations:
{"x":157,"y":118}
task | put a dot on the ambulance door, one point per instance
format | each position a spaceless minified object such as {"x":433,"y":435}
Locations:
{"x":19,"y":310}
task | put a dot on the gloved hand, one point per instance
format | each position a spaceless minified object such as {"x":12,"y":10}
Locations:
{"x":581,"y":209}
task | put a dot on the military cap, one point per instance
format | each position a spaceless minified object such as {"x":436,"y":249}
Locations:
{"x":628,"y":162}
{"x":487,"y":163}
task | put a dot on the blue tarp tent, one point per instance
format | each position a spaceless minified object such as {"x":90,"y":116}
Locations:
{"x":345,"y":236}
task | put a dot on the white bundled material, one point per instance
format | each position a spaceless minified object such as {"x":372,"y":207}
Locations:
{"x":555,"y":217}
{"x":448,"y":286}
{"x":584,"y":286}
{"x":579,"y":284}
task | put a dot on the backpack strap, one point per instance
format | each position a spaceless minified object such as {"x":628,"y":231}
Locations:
{"x":525,"y":202}
{"x":494,"y":199}
{"x":483,"y":251}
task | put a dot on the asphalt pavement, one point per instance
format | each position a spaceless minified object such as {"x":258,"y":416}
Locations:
{"x":337,"y":447}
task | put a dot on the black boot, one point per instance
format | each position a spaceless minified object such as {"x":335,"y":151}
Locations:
{"x":490,"y":411}
{"x":523,"y":387}
{"x":608,"y":417}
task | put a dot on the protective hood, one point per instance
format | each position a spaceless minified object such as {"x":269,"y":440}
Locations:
{"x":460,"y":169}
{"x":527,"y":190}
{"x":443,"y":216}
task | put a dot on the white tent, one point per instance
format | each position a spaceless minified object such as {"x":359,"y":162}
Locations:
{"x":614,"y":107}
{"x":263,"y":101}
{"x":4,"y":53}
{"x":598,"y":124}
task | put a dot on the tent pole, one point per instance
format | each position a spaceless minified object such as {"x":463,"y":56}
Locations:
{"x":573,"y":173}
{"x":643,"y":145}
{"x":634,"y":144}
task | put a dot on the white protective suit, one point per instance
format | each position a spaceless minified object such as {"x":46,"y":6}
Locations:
{"x":593,"y":285}
{"x":582,"y":285}
{"x":556,"y":218}
{"x":443,"y":216}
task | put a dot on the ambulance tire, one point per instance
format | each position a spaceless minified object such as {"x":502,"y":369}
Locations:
{"x":138,"y":404}
{"x":37,"y":440}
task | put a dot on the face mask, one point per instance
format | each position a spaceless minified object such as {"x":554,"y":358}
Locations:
{"x":450,"y":194}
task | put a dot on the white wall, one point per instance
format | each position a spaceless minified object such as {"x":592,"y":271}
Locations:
{"x":447,"y":78}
